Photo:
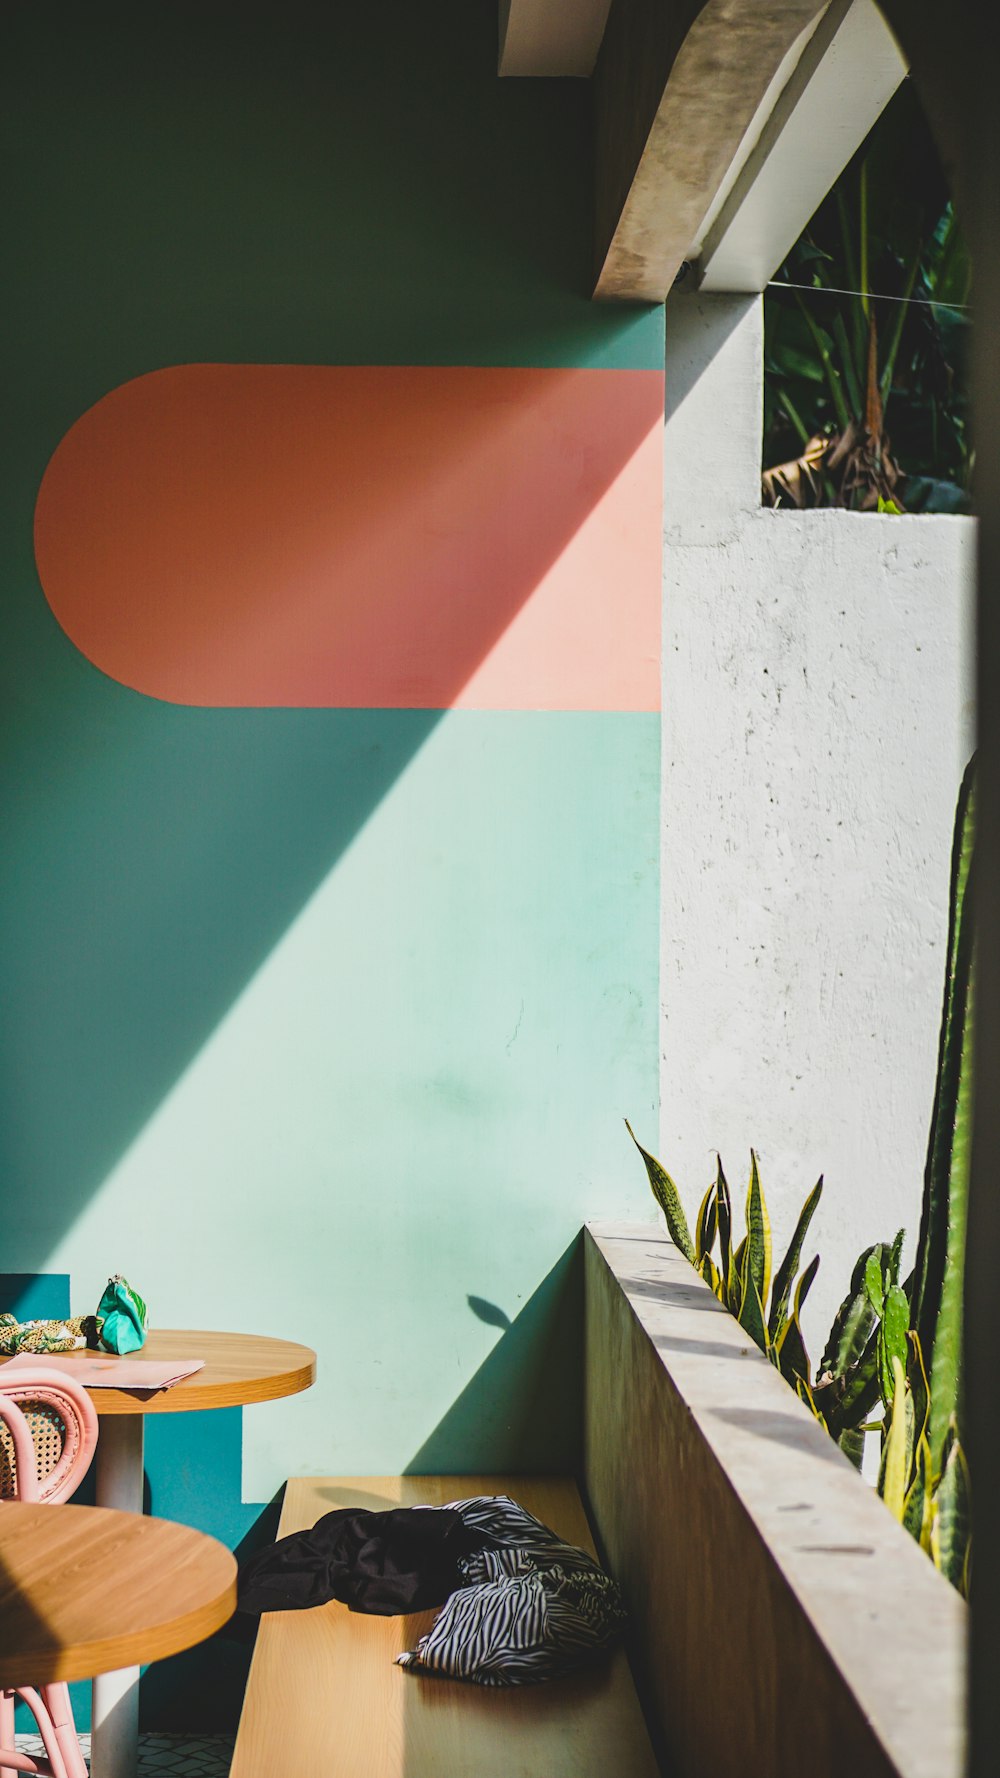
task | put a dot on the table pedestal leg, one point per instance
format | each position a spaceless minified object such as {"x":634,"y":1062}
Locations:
{"x":115,"y":1729}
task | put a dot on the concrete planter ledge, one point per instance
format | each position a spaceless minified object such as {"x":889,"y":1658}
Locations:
{"x":782,"y":1620}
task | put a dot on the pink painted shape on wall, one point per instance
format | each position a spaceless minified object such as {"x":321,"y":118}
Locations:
{"x":312,"y":535}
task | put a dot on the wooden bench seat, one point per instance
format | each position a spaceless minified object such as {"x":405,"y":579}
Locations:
{"x":325,"y":1700}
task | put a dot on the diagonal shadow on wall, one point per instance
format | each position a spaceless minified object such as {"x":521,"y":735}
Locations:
{"x":522,"y":1412}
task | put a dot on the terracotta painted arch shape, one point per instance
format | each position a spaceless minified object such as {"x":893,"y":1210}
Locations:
{"x":408,"y":537}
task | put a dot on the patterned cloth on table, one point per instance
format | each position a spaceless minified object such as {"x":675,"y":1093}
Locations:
{"x":67,"y":1335}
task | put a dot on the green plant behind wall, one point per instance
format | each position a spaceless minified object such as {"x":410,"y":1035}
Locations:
{"x":872,"y":1358}
{"x":846,"y":1389}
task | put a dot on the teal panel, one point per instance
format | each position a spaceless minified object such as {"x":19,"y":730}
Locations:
{"x":35,"y":1296}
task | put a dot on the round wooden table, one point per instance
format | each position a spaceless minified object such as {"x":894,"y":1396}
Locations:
{"x":84,"y":1591}
{"x":238,"y":1369}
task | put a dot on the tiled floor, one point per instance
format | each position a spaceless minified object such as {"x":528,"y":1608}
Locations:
{"x":180,"y":1756}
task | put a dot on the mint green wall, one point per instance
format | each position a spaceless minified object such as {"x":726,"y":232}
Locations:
{"x":319,"y":1021}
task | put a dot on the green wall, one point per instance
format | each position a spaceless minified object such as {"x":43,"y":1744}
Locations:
{"x":318,"y":1022}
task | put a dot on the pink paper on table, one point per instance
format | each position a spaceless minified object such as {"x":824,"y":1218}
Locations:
{"x":97,"y":1372}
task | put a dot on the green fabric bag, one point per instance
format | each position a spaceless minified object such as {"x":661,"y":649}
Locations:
{"x":122,"y":1316}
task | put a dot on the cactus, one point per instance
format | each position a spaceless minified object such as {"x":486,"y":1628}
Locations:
{"x":924,"y":1475}
{"x":936,"y":1303}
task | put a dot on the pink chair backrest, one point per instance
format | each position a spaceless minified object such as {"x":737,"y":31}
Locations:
{"x":48,"y":1434}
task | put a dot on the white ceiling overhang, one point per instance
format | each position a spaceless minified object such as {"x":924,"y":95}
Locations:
{"x":551,"y":37}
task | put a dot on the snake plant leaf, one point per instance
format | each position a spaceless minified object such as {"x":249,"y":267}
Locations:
{"x":911,"y":1428}
{"x":793,"y":1359}
{"x":895,"y":1467}
{"x":851,"y":1326}
{"x":739,"y":1267}
{"x":805,"y":1285}
{"x":861,"y":1386}
{"x":709,"y":1272}
{"x":950,"y":1533}
{"x":916,"y":1377}
{"x":792,"y":1356}
{"x":706,"y":1225}
{"x":724,"y":1214}
{"x":913,"y":1506}
{"x":751,"y":1315}
{"x":925,"y":1471}
{"x":758,"y":1232}
{"x":893,"y":1346}
{"x":848,"y":1400}
{"x":804,"y":1393}
{"x":668,"y":1197}
{"x":852,"y":1443}
{"x":937,"y":1291}
{"x":894,"y":1256}
{"x":874,"y":1278}
{"x":784,"y":1276}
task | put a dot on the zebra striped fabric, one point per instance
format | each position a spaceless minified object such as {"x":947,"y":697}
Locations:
{"x":532,"y":1607}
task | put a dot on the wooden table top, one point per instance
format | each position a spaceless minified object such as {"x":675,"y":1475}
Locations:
{"x":84,"y":1590}
{"x":239,"y":1368}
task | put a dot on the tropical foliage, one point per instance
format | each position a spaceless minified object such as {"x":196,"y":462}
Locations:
{"x":864,"y":388}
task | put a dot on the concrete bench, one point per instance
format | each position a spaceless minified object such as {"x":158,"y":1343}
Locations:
{"x":325,"y":1700}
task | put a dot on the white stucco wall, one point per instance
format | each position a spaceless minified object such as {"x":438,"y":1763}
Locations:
{"x":817,"y":693}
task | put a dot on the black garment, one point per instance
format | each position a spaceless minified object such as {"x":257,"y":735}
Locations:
{"x":406,"y":1559}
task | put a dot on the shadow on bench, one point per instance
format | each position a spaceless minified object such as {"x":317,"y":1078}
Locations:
{"x":325,"y":1700}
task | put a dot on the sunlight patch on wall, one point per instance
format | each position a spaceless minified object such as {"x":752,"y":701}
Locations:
{"x":418,"y":1049}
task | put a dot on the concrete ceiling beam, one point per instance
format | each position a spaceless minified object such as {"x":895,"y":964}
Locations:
{"x":679,"y":85}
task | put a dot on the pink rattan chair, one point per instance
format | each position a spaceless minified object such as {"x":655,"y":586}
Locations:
{"x":48,"y":1434}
